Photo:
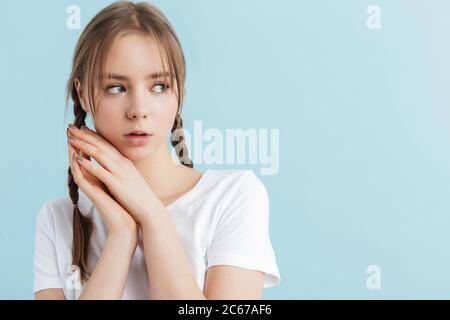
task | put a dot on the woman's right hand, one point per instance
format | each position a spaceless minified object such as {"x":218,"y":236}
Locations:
{"x":118,"y":221}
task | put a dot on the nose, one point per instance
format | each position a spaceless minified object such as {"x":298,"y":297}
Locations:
{"x":138,"y":107}
{"x":137,"y":115}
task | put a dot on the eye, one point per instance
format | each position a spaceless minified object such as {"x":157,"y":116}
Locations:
{"x":113,"y":88}
{"x":161,"y":87}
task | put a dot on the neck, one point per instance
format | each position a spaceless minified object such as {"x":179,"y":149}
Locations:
{"x":160,"y":171}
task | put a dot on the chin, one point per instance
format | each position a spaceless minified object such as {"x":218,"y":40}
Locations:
{"x":137,"y":153}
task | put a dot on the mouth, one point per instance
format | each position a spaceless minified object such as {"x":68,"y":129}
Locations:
{"x":138,"y":133}
{"x":138,"y":138}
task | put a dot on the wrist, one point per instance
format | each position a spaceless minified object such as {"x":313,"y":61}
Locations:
{"x":127,"y":235}
{"x":150,"y":219}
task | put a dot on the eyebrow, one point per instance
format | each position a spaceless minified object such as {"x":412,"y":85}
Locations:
{"x":155,"y":75}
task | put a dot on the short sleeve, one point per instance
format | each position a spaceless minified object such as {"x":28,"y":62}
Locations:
{"x":45,"y":266}
{"x":242,"y":236}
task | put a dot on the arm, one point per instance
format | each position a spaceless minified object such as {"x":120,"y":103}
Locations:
{"x":50,"y":294}
{"x":224,"y":282}
{"x":111,"y":271}
{"x":170,"y":276}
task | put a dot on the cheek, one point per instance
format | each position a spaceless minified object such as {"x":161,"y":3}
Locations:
{"x":164,"y":116}
{"x":107,"y":119}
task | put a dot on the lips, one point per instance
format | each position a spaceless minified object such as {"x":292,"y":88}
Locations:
{"x":136,"y":139}
{"x":138,"y":133}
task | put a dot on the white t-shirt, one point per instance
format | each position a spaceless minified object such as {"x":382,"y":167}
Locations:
{"x":223,"y":219}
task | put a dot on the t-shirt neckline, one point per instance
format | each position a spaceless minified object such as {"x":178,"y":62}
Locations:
{"x":187,"y":194}
{"x":177,"y":201}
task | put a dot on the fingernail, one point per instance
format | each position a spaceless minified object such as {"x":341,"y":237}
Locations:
{"x":73,"y":127}
{"x":73,"y":156}
{"x":67,"y":132}
{"x":79,"y":157}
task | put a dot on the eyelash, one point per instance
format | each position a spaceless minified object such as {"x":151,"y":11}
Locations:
{"x":166,"y":86}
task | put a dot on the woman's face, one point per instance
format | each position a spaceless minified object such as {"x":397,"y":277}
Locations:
{"x":132,"y":99}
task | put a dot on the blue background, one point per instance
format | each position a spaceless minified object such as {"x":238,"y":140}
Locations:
{"x":364,"y":126}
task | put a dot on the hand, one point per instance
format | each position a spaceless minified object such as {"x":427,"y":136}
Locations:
{"x":116,"y":218}
{"x":117,"y":172}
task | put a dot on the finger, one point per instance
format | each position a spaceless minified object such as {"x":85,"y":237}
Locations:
{"x":82,"y":178}
{"x":95,"y":170}
{"x":69,"y":151}
{"x":86,"y":175}
{"x":102,"y":198}
{"x":82,"y":183}
{"x":77,"y":174}
{"x":97,"y":136}
{"x":90,"y":150}
{"x":94,"y":138}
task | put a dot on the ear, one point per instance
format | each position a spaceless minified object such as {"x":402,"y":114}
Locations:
{"x":81,"y":96}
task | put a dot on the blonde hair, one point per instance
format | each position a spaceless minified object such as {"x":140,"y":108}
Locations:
{"x":91,"y":50}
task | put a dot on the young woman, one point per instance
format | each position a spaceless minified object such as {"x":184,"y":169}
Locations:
{"x":137,"y":224}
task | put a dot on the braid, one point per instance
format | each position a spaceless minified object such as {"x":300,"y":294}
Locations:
{"x":178,"y":142}
{"x":82,"y":226}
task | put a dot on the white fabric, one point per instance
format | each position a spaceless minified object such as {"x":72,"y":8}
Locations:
{"x":224,"y":219}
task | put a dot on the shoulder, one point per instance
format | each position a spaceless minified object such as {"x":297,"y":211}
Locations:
{"x":240,"y":189}
{"x":235,"y":178}
{"x":239,"y":182}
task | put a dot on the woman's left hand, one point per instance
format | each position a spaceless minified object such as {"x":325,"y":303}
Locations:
{"x":117,"y":172}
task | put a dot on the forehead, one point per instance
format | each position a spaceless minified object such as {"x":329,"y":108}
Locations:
{"x":134,"y":55}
